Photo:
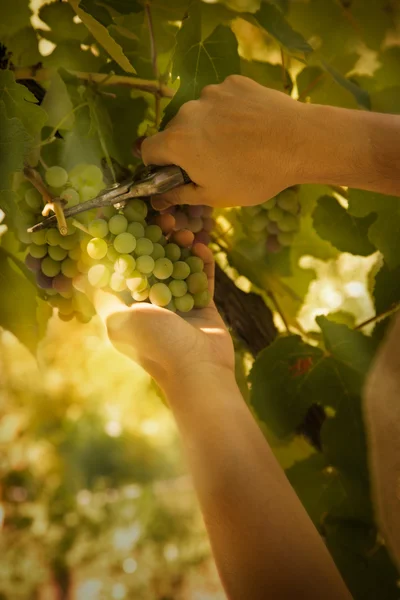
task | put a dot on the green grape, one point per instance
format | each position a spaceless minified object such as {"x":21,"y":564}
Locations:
{"x":158,"y":251}
{"x":185,"y":303}
{"x":197,"y":282}
{"x":57,"y":253}
{"x":82,"y":267}
{"x":259,"y":223}
{"x":64,"y":305}
{"x":137,"y":282}
{"x":141,"y":296}
{"x":98,"y":228}
{"x":69,"y":268}
{"x":70,"y":241}
{"x":39,"y":237}
{"x":54,"y":237}
{"x":251,"y":211}
{"x":160,"y":294}
{"x":288,"y":223}
{"x":136,"y":229}
{"x":34,"y":199}
{"x":202,"y":299}
{"x":24,"y":237}
{"x":50,"y":267}
{"x":125,"y":243}
{"x":125,"y":264}
{"x":71,"y":229}
{"x":173,"y":252}
{"x":185,"y":253}
{"x":117,"y":224}
{"x":112,"y":254}
{"x":87,"y":192}
{"x":181,"y":270}
{"x":145,"y":264}
{"x":178,"y":287}
{"x":171,"y":306}
{"x":75,"y":253}
{"x":135,"y":210}
{"x":92,"y":175}
{"x":98,"y":276}
{"x":144,"y":247}
{"x":285,"y":238}
{"x":153,"y":233}
{"x":82,"y":304}
{"x":56,"y":176}
{"x":97,"y":248}
{"x":163,"y":241}
{"x":287,"y":200}
{"x":108,"y":212}
{"x":269,"y":204}
{"x":195,"y":263}
{"x":163,"y":268}
{"x":117,"y":282}
{"x":71,"y":196}
{"x":88,"y":260}
{"x":38,"y":251}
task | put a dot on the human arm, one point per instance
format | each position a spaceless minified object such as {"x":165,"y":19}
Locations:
{"x":263,"y":541}
{"x":243,"y":143}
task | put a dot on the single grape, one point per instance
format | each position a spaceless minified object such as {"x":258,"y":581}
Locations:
{"x":70,"y":241}
{"x":98,"y":228}
{"x":24,"y":237}
{"x":195,"y":263}
{"x":54,"y":237}
{"x":202,"y":238}
{"x":173,"y":252}
{"x":43,"y":281}
{"x":158,"y":251}
{"x":136,"y":229}
{"x":181,"y":270}
{"x":275,"y":214}
{"x":71,"y":196}
{"x":69,"y":268}
{"x":181,"y":221}
{"x":208,"y":224}
{"x":135,"y":210}
{"x":112,"y":254}
{"x":197,"y":282}
{"x":171,"y":306}
{"x":125,"y":243}
{"x":143,"y":247}
{"x":88,"y":260}
{"x":117,"y":282}
{"x":178,"y":288}
{"x":195,"y":210}
{"x":160,"y":294}
{"x":136,"y":282}
{"x":97,"y":248}
{"x":98,"y":276}
{"x":195,"y":224}
{"x":107,"y":212}
{"x":185,"y":303}
{"x":50,"y":267}
{"x":87,"y":192}
{"x":207,"y":211}
{"x":82,"y":267}
{"x":39,"y":237}
{"x":62,"y":284}
{"x":145,"y":264}
{"x":249,"y":212}
{"x":153,"y":233}
{"x":202,"y":299}
{"x":34,"y":199}
{"x":285,"y":238}
{"x":259,"y":222}
{"x":75,"y":253}
{"x":56,"y":176}
{"x":273,"y":228}
{"x":166,"y":222}
{"x":57,"y":253}
{"x":272,"y":245}
{"x":64,"y":306}
{"x":287,"y":200}
{"x":118,"y":224}
{"x":170,"y":210}
{"x":125,"y":264}
{"x":269,"y":204}
{"x":288,"y":223}
{"x":38,"y":251}
{"x":92,"y":175}
{"x":183,"y":238}
{"x":141,"y":296}
{"x":163,"y":268}
{"x":33,"y":263}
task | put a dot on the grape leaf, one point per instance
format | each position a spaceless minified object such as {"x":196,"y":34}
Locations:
{"x":21,"y":103}
{"x":14,"y":18}
{"x":200,"y":62}
{"x":270,"y":18}
{"x":374,"y":18}
{"x":14,"y":145}
{"x":389,"y":70}
{"x":384,"y":233}
{"x":68,"y":54}
{"x":333,"y":223}
{"x":101,"y":34}
{"x":386,"y":100}
{"x":267,"y":74}
{"x":58,"y":104}
{"x":23,"y":46}
{"x":59,"y":16}
{"x":361,"y":96}
{"x":386,"y":289}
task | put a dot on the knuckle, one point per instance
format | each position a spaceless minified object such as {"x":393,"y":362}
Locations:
{"x":188,"y":108}
{"x":209,"y":90}
{"x":235,"y":79}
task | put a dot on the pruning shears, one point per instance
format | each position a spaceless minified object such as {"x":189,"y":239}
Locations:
{"x":145,"y":182}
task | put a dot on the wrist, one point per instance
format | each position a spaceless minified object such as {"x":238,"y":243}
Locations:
{"x":199,"y":379}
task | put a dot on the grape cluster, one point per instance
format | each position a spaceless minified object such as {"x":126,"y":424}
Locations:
{"x":274,"y":222}
{"x":142,"y":254}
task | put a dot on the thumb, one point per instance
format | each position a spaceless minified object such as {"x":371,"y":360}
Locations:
{"x":184,"y":194}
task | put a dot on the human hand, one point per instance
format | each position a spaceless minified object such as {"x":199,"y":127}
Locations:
{"x":168,"y":346}
{"x":241,"y":144}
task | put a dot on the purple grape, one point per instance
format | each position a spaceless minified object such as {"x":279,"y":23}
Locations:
{"x":208,"y":224}
{"x":207,"y":211}
{"x":273,"y":228}
{"x":195,"y":210}
{"x":171,"y":210}
{"x":62,"y":284}
{"x":202,"y":238}
{"x":181,"y":221}
{"x":273,"y":245}
{"x":44,"y":282}
{"x":33,"y":263}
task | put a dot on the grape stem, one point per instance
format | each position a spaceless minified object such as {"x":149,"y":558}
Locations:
{"x":146,"y":85}
{"x":380,"y":317}
{"x":50,"y":202}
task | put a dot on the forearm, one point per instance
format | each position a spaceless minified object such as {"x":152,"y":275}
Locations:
{"x":353,"y":148}
{"x":264,"y":544}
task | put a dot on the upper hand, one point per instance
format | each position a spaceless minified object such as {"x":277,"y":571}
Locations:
{"x":239,"y":143}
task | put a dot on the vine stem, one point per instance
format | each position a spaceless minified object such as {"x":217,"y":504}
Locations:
{"x":380,"y":317}
{"x":146,"y":85}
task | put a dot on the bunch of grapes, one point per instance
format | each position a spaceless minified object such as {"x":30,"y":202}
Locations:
{"x":137,"y":252}
{"x":274,"y":222}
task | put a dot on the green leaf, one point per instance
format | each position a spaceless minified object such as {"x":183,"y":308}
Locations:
{"x":14,"y":18}
{"x":58,"y":105}
{"x":21,"y":103}
{"x":386,"y":289}
{"x":361,"y":96}
{"x":14,"y":145}
{"x":201,"y":62}
{"x":59,"y":16}
{"x":270,"y":18}
{"x":389,"y":71}
{"x":23,"y":46}
{"x":384,"y":233}
{"x":347,"y":233}
{"x":18,"y":303}
{"x":266,"y":74}
{"x":386,"y":100}
{"x":316,"y":85}
{"x":69,"y":55}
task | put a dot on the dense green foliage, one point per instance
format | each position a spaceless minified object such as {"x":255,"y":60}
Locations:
{"x":122,"y":70}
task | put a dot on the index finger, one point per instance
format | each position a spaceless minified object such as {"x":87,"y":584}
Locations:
{"x":156,"y":149}
{"x":105,"y":303}
{"x":207,"y":257}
